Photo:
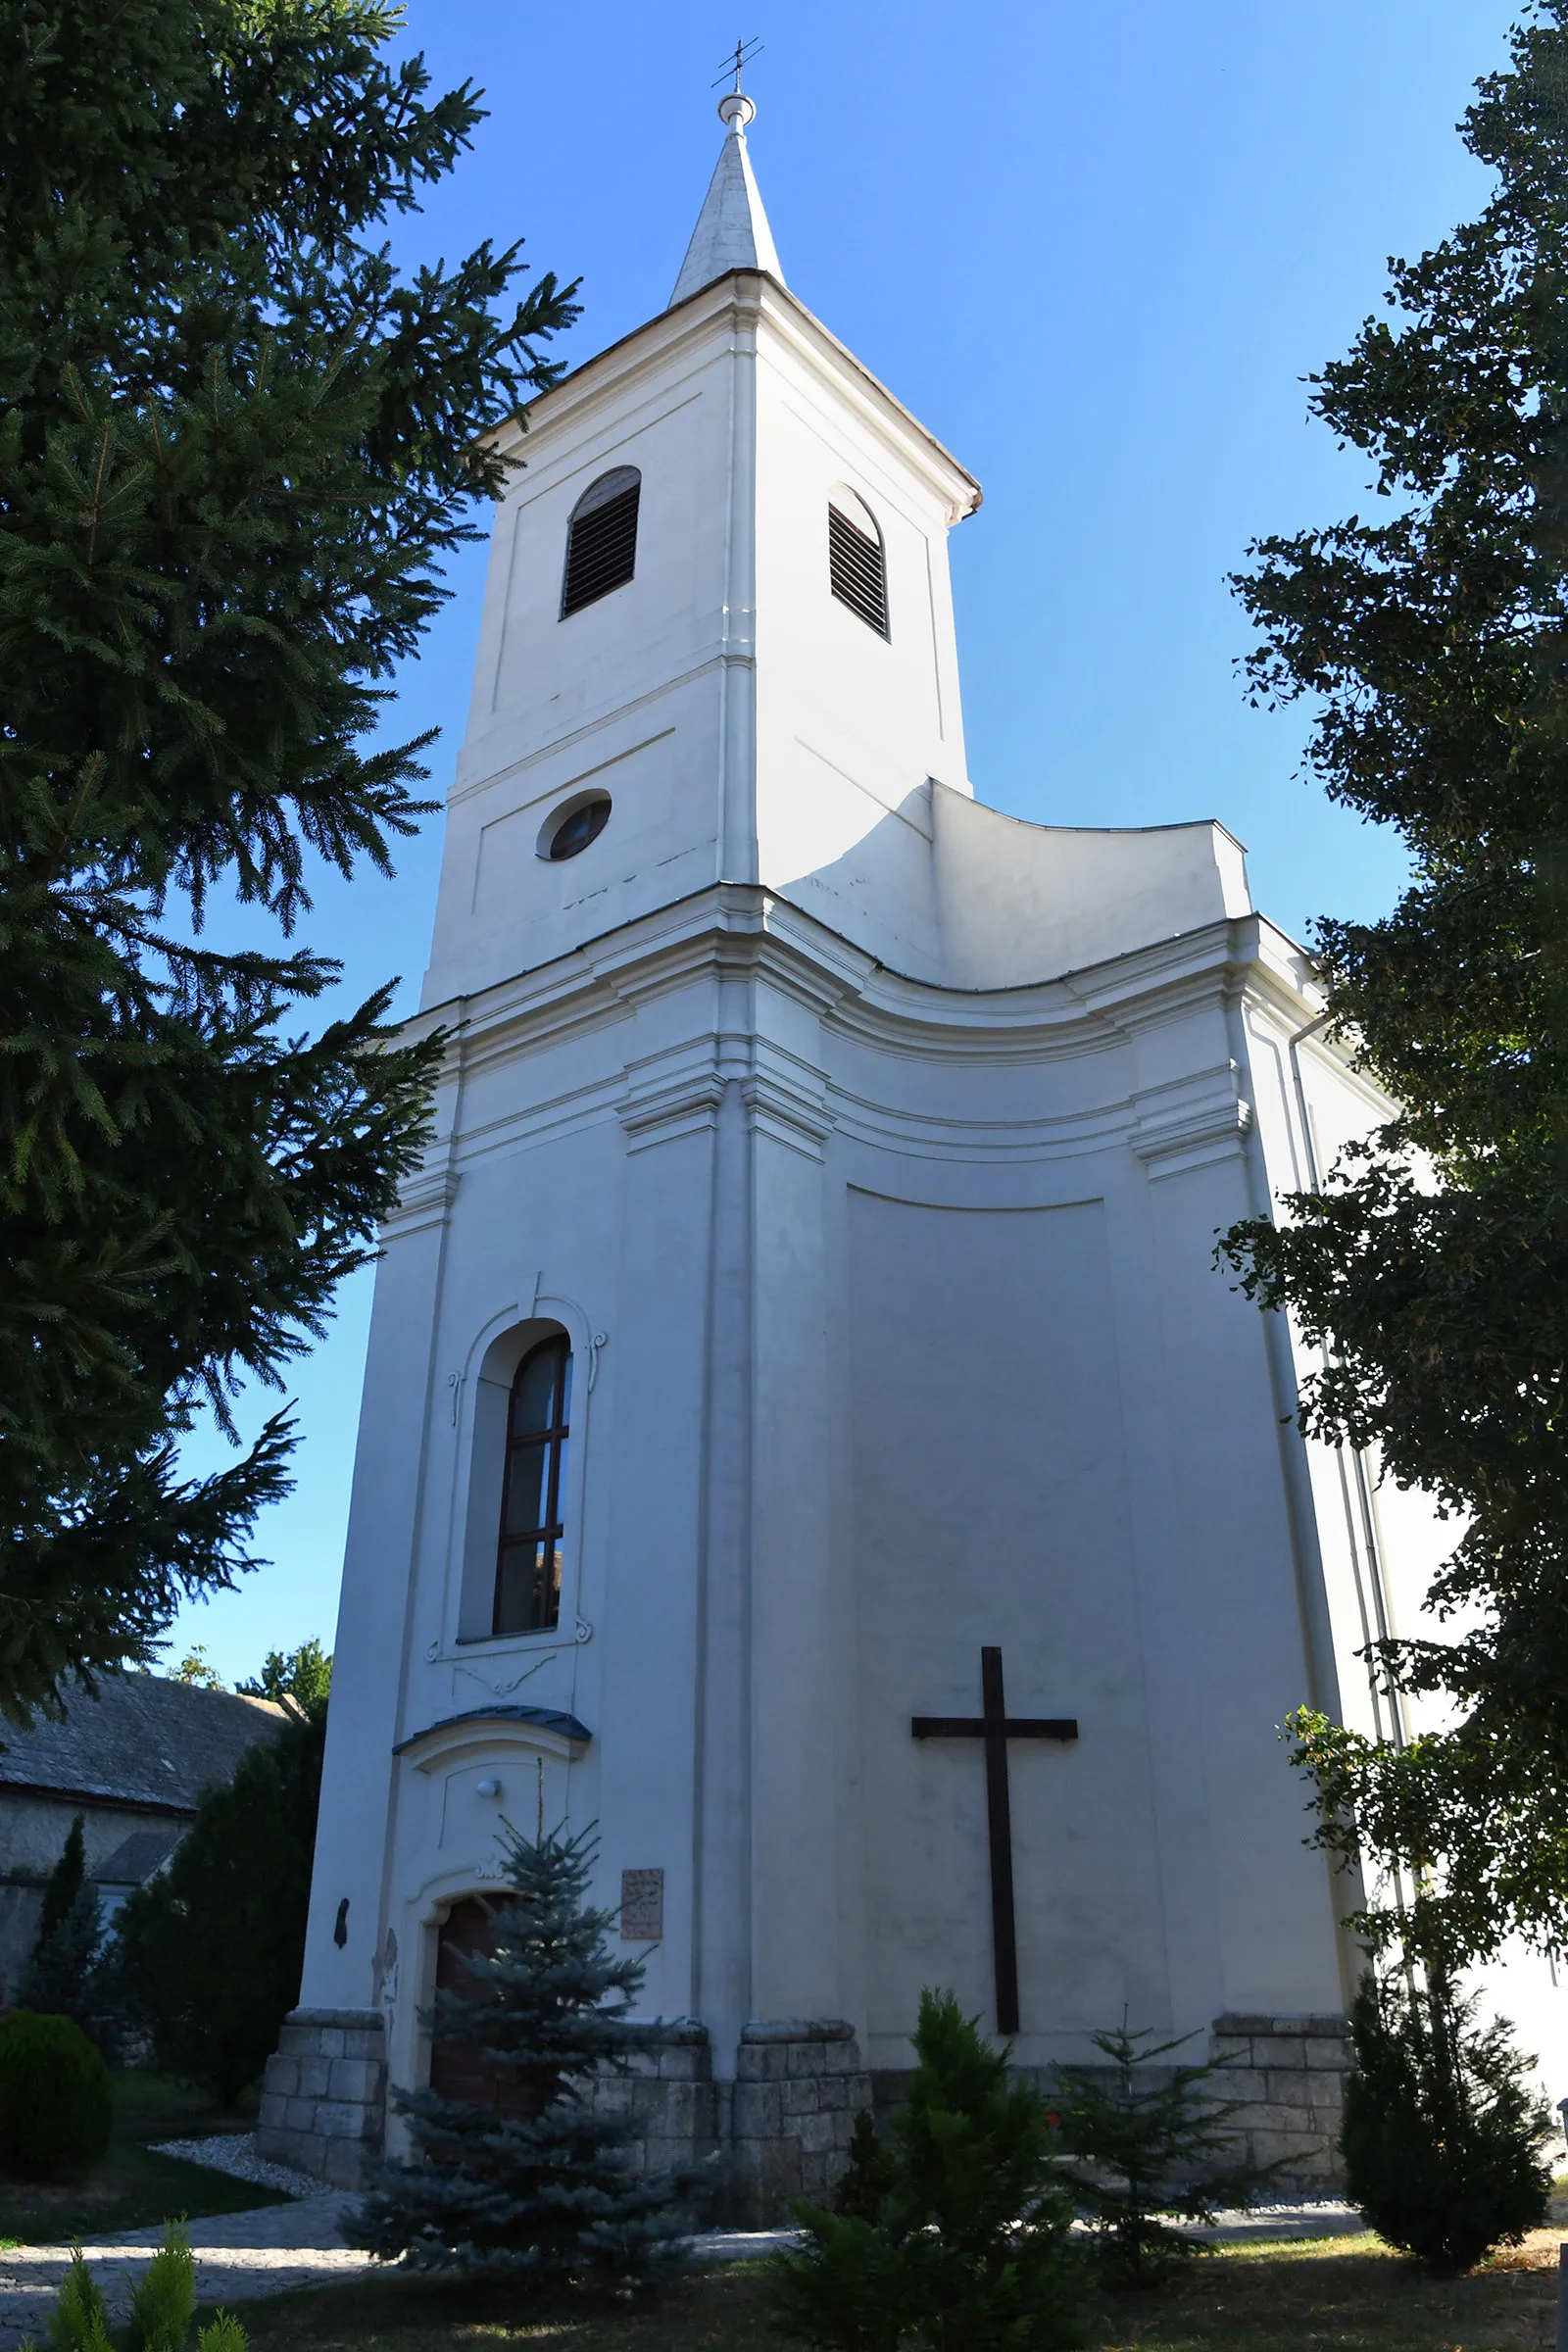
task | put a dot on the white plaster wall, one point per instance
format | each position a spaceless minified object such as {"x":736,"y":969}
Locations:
{"x":1020,"y":901}
{"x":906,"y":1338}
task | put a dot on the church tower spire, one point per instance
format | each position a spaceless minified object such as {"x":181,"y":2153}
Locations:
{"x":732,"y":232}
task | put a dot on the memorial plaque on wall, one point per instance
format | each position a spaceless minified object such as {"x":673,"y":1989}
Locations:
{"x":642,"y":1906}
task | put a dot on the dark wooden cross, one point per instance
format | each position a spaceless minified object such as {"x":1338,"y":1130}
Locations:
{"x":996,"y":1727}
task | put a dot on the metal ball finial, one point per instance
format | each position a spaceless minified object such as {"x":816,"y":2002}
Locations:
{"x":735,"y":111}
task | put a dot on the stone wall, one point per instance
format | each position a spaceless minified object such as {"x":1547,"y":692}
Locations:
{"x":669,"y":2093}
{"x":323,"y":2094}
{"x":799,"y":2085}
{"x":782,"y":2128}
{"x":1289,"y":2074}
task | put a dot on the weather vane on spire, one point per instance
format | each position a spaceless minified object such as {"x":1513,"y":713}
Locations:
{"x":745,"y":51}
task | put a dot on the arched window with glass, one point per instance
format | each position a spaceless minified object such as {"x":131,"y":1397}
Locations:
{"x":533,"y":1495}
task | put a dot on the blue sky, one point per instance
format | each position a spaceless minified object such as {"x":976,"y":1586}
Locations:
{"x":1096,"y":250}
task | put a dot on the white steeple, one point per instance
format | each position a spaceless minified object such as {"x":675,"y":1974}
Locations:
{"x":732,"y":232}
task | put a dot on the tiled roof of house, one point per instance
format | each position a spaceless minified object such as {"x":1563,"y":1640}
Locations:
{"x":142,"y":1742}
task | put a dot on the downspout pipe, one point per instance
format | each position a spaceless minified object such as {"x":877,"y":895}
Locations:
{"x":1360,"y":1477}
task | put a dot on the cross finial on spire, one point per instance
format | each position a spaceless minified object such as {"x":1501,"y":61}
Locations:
{"x":745,"y":51}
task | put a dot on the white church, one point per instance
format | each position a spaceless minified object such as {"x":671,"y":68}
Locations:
{"x":806,"y":1433}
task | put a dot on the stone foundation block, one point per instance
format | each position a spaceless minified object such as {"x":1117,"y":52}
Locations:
{"x":799,"y":2083}
{"x":324,"y":2095}
{"x":1290,"y":2082}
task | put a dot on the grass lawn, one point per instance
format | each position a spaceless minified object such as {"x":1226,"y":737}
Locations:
{"x":133,"y":2187}
{"x":1332,"y":2295}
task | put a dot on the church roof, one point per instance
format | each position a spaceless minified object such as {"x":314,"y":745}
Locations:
{"x":732,"y":232}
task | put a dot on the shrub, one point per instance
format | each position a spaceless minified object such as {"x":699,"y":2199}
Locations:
{"x":1152,"y":2148}
{"x":953,"y":2236}
{"x":207,"y":1955}
{"x":1442,"y":2129}
{"x":56,"y":2111}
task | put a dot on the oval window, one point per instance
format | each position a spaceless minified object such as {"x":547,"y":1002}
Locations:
{"x":578,"y":827}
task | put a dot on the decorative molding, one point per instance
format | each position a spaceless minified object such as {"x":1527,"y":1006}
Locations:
{"x":425,"y":1200}
{"x":663,"y":1103}
{"x":513,"y":1683}
{"x":1192,"y":1122}
{"x":786,"y":1100}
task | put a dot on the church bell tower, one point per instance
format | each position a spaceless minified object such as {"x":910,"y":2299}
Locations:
{"x":718,"y":614}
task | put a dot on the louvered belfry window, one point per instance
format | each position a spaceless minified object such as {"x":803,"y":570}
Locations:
{"x":602,"y":539}
{"x":857,"y":569}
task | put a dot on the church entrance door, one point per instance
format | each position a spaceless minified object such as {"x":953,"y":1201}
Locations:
{"x":460,"y":2070}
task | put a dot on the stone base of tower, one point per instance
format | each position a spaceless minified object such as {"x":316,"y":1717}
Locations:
{"x":323,"y":2094}
{"x":799,"y":2085}
{"x":782,"y":2128}
{"x":1287,"y":2074}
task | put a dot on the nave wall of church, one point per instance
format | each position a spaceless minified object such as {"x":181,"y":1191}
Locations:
{"x":776,"y":1239}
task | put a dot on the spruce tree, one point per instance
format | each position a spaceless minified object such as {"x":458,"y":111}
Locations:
{"x":538,"y":2184}
{"x":237,"y":445}
{"x":1147,"y":2147}
{"x":1444,"y":2130}
{"x":954,"y":2236}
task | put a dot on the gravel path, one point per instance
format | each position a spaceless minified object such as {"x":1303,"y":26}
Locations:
{"x":238,"y":2256}
{"x":234,"y":2152}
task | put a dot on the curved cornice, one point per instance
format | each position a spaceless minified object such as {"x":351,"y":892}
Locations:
{"x":741,"y":931}
{"x":547,"y":1731}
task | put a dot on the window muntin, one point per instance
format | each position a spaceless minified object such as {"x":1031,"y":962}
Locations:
{"x":528,"y":1594}
{"x":857,"y":561}
{"x":602,"y":539}
{"x":579,"y":826}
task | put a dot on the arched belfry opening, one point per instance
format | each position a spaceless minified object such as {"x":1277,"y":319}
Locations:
{"x":602,"y":539}
{"x":856,"y":558}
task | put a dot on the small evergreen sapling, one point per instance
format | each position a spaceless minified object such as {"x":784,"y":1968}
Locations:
{"x":1442,"y":2128}
{"x":1146,"y":2146}
{"x":162,"y":2310}
{"x":537,"y":2185}
{"x":954,"y":2238}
